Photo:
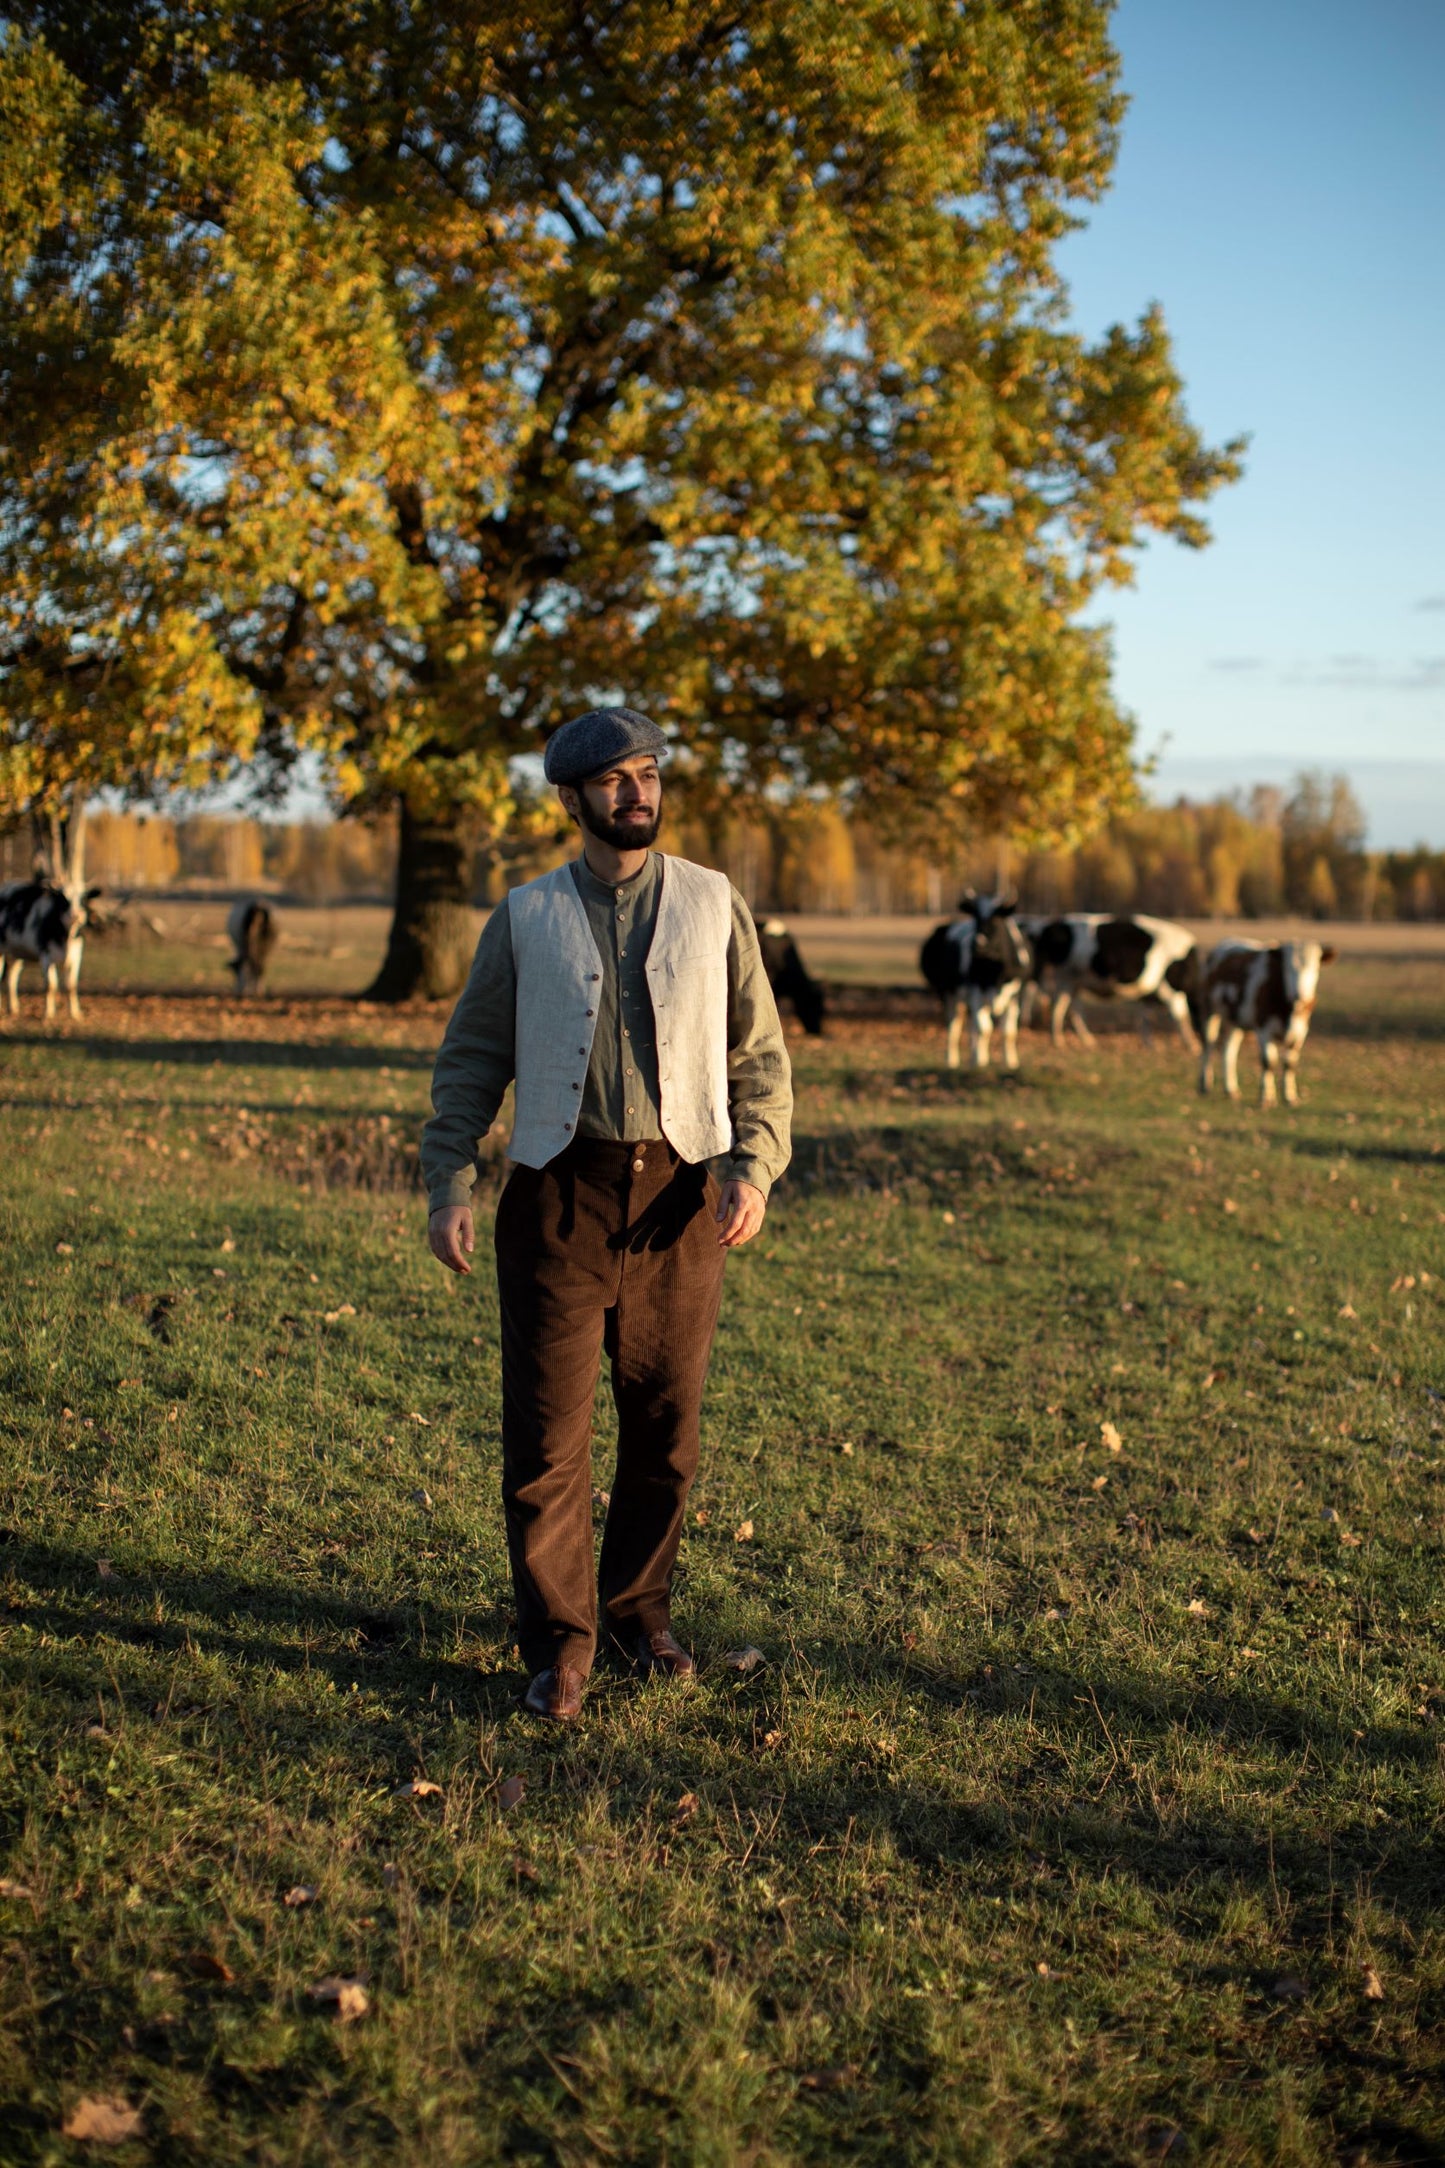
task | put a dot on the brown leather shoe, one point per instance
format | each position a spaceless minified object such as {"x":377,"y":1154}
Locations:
{"x":661,"y":1651}
{"x":555,"y":1694}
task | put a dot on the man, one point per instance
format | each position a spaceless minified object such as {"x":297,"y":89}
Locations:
{"x":625,"y":993}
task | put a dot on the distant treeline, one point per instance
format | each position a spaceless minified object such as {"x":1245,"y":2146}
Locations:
{"x":1300,"y":851}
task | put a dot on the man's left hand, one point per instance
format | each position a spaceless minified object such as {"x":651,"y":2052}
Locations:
{"x":740,"y":1211}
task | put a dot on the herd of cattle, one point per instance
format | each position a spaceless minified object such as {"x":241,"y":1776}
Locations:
{"x":990,"y":964}
{"x":989,"y":961}
{"x":987,"y":965}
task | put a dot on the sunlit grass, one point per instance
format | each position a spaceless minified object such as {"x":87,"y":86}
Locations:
{"x":1081,"y":1794}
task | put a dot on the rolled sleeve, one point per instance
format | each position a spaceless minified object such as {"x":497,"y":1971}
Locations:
{"x":760,"y":1076}
{"x":474,"y":1066}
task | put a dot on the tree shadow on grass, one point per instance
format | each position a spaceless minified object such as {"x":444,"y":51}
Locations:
{"x":1405,"y":1155}
{"x":245,"y":1053}
{"x":346,"y":1638}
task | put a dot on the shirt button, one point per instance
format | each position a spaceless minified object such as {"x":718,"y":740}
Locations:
{"x":629,"y":1109}
{"x":589,"y":1012}
{"x":627,"y":1072}
{"x":576,"y":1087}
{"x":637,"y":1166}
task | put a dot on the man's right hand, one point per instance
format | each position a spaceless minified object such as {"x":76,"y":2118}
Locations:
{"x":449,"y":1231}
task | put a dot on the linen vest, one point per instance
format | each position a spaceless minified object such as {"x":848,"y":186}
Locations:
{"x":558,"y":973}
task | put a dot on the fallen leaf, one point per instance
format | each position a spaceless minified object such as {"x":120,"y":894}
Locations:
{"x":1349,"y":1311}
{"x":702,"y":1517}
{"x":1197,"y":1607}
{"x":1109,"y":1433}
{"x":102,"y":2119}
{"x":300,"y":1893}
{"x":1100,"y":1482}
{"x":686,"y":1807}
{"x":422,"y":1498}
{"x":348,"y":1998}
{"x":13,"y":1889}
{"x":424,"y":1420}
{"x":1053,"y":1615}
{"x":1209,"y":1378}
{"x":1353,"y":1542}
{"x":1372,"y":1986}
{"x":602,"y":1499}
{"x":512,"y":1793}
{"x":831,"y":2080}
{"x":203,"y":1966}
{"x":846,"y":1448}
{"x":419,"y":1788}
{"x":227,"y":1246}
{"x":104,"y":1569}
{"x":743,"y":1533}
{"x":772,"y":1738}
{"x":1230,"y":1205}
{"x":67,"y":1249}
{"x":742,"y":1660}
{"x":1041,"y":1968}
{"x":524,"y":1870}
{"x":1249,"y":1652}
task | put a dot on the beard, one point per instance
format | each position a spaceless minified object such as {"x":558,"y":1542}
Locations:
{"x":634,"y":833}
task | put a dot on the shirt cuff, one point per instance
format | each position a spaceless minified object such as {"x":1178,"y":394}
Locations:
{"x":451,"y":1190}
{"x":747,"y":1170}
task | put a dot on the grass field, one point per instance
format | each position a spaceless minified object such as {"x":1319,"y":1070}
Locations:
{"x":1087,"y":1805}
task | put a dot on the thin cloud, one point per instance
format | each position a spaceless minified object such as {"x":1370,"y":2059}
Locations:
{"x":1431,"y":602}
{"x":1236,"y":662}
{"x":1365,"y":673}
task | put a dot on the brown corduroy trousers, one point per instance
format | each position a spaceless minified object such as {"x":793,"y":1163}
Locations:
{"x":615,"y":1245}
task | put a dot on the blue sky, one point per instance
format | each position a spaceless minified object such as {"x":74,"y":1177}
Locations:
{"x":1281,"y":190}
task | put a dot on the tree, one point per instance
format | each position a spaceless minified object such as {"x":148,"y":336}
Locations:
{"x":422,"y":374}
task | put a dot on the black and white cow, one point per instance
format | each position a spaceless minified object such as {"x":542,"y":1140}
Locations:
{"x":788,"y":976}
{"x":1115,"y":959}
{"x":978,"y":965}
{"x":251,"y":927}
{"x":1269,"y":991}
{"x":43,"y":923}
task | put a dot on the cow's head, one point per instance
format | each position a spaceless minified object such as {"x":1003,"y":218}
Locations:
{"x":999,"y":936}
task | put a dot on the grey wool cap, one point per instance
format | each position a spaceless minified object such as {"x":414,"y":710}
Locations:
{"x":596,"y":740}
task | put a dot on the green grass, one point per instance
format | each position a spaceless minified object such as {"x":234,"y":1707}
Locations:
{"x":1077,"y":1793}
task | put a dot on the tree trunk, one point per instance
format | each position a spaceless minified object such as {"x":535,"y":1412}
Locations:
{"x":433,"y":933}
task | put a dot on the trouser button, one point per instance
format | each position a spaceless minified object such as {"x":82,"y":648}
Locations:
{"x":637,"y":1165}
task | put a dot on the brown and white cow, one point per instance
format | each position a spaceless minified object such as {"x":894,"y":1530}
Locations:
{"x":1114,"y":959}
{"x":252,"y":931}
{"x":1269,"y":991}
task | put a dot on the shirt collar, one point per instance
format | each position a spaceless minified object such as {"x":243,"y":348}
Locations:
{"x":606,"y":891}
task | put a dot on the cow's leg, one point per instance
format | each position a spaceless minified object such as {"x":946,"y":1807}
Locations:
{"x":52,"y":990}
{"x":1177,"y":1004}
{"x":1058,"y":1015}
{"x":954,"y":1013}
{"x":12,"y":982}
{"x":1230,"y":1060}
{"x":1010,"y":1021}
{"x":72,"y":978}
{"x":980,"y":1035}
{"x":1206,"y":1051}
{"x":1294,"y":1046}
{"x":1268,"y":1068}
{"x":1077,"y":1019}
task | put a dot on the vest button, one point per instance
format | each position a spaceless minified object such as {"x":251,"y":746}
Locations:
{"x":576,"y":1087}
{"x":594,"y":976}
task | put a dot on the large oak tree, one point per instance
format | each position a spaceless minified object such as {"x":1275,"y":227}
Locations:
{"x":386,"y":380}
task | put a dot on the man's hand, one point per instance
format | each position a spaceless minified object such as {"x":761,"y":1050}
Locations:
{"x":740,"y":1211}
{"x":449,"y":1231}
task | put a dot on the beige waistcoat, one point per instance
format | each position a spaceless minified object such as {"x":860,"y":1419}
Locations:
{"x":558,"y":973}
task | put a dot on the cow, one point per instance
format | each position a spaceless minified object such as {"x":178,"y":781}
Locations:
{"x":788,"y":976}
{"x":979,"y":964}
{"x":43,"y":923}
{"x":1115,"y":959}
{"x":252,"y":931}
{"x":1269,"y":991}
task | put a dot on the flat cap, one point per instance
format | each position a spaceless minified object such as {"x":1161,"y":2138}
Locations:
{"x":597,"y":740}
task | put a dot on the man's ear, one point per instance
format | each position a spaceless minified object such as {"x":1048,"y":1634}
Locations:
{"x":568,"y":797}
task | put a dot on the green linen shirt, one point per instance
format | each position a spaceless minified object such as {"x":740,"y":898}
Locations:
{"x":621,"y":1099}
